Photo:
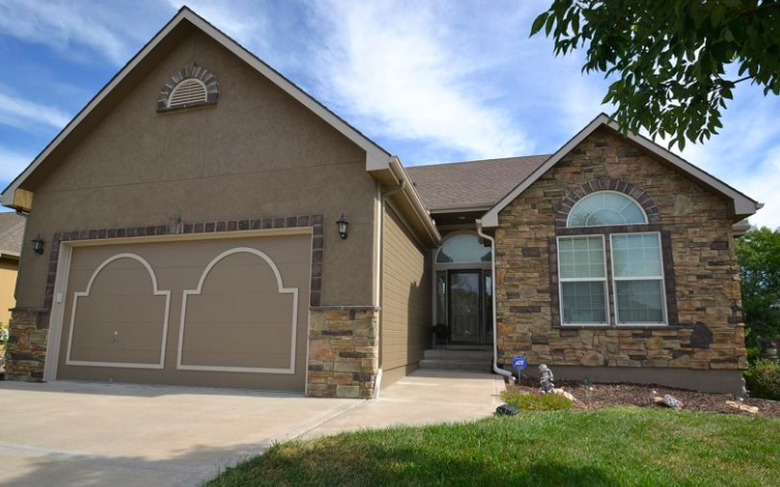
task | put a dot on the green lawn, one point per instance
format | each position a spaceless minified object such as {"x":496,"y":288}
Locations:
{"x":608,"y":447}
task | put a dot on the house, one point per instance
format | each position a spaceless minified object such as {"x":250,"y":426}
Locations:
{"x":206,"y":222}
{"x":11,"y":236}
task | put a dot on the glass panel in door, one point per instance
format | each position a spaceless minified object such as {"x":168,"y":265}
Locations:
{"x":465,"y":315}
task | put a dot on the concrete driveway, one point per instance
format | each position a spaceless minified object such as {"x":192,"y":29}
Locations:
{"x":88,"y":434}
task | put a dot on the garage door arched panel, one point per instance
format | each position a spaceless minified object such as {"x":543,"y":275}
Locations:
{"x":240,"y":318}
{"x":121,"y":318}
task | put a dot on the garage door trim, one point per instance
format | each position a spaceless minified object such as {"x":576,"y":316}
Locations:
{"x":157,"y":292}
{"x":199,"y":289}
{"x":64,"y":255}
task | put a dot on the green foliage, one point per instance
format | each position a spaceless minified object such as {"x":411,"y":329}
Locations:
{"x":763,"y":379}
{"x":670,"y":56}
{"x":611,"y":447}
{"x":536,"y":402}
{"x":3,"y":334}
{"x":758,"y":254}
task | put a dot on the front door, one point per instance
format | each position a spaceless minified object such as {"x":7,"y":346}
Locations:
{"x":466,"y":317}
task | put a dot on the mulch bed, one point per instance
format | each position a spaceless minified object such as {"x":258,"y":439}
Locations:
{"x":609,"y":395}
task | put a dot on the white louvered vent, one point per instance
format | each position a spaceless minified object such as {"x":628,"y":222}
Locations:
{"x":190,"y":91}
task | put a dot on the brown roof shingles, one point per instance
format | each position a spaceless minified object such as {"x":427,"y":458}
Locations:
{"x":11,"y":233}
{"x":472,"y":184}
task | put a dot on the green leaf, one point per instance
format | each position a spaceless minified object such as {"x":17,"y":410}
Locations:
{"x":538,"y":23}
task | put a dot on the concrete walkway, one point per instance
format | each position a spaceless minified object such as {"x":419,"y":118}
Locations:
{"x":86,"y":434}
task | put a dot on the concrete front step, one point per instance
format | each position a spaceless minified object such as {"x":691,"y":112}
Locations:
{"x":474,"y":355}
{"x":445,"y":364}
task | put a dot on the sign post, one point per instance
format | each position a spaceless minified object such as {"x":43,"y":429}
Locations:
{"x":519,"y":363}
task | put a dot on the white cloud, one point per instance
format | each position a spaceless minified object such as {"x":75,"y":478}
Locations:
{"x":23,"y":114}
{"x":62,"y":24}
{"x":409,"y":80}
{"x":244,"y":22}
{"x":11,"y":165}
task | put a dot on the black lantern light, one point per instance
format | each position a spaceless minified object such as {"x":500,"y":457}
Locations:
{"x":38,"y":244}
{"x":342,"y":225}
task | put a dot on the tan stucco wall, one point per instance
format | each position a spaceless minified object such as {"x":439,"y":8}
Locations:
{"x":257,"y":153}
{"x":406,"y":301}
{"x":8,"y":269}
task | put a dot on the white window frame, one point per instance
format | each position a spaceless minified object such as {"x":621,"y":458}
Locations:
{"x":664,"y":309}
{"x":605,"y":281}
{"x":568,"y":217}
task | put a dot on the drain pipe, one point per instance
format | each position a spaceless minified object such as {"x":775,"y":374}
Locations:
{"x":383,"y":198}
{"x":507,"y":374}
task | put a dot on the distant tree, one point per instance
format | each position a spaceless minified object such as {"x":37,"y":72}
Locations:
{"x":671,"y":56}
{"x":758,"y":254}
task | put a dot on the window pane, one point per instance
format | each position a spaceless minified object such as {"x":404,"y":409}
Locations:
{"x":583,"y":303}
{"x":605,"y":208}
{"x":639,"y":302}
{"x":463,"y":249}
{"x":637,"y":255}
{"x":581,"y":257}
{"x":441,"y":298}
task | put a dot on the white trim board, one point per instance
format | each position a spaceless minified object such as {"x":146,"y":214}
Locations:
{"x":281,"y":289}
{"x":376,"y":156}
{"x":742,"y":205}
{"x":157,"y":292}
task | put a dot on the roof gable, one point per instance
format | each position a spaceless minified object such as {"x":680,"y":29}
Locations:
{"x":742,"y":205}
{"x":376,"y":156}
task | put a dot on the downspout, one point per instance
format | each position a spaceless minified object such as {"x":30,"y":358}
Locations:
{"x":380,"y":246}
{"x":496,"y":368}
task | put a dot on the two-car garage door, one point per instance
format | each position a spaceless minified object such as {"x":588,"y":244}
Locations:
{"x":226,"y":312}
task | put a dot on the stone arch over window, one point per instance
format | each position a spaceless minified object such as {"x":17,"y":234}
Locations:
{"x":196,"y":76}
{"x":607,"y":184}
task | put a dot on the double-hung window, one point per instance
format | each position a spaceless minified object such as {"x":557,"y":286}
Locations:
{"x":610,"y":276}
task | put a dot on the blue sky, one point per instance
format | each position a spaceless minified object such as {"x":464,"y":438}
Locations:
{"x":433,"y":81}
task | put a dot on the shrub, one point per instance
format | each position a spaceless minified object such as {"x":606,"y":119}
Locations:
{"x":763,"y":379}
{"x":536,"y":402}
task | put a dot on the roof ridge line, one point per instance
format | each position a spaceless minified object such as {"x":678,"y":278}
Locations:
{"x":476,"y":161}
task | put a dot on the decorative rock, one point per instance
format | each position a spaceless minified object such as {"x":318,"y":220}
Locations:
{"x":742,"y":407}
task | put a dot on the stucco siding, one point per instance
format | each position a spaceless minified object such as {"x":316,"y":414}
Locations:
{"x":406,"y":300}
{"x":257,"y":153}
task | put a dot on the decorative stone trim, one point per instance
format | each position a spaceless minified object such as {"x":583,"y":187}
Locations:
{"x":26,"y":349}
{"x":607,"y":184}
{"x":343,"y":353}
{"x":314,"y":221}
{"x":191,"y":70}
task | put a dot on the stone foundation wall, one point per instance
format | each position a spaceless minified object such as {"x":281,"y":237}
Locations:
{"x":343,"y":353}
{"x":705,"y":325}
{"x":26,"y":349}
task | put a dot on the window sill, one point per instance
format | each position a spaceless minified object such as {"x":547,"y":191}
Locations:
{"x":618,"y":327}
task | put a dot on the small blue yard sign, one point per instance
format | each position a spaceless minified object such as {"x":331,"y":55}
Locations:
{"x":519,"y":362}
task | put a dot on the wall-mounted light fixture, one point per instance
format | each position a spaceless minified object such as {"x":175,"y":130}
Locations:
{"x":342,"y":225}
{"x":38,"y":244}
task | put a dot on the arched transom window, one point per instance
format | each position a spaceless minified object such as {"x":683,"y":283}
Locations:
{"x":605,"y":208}
{"x":463,"y":249}
{"x":621,"y":260}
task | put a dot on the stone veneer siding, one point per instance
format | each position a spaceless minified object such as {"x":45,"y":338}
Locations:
{"x":343,"y":352}
{"x":705,"y":325}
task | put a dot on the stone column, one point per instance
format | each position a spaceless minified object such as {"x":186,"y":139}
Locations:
{"x":26,"y":349}
{"x":343,"y":352}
